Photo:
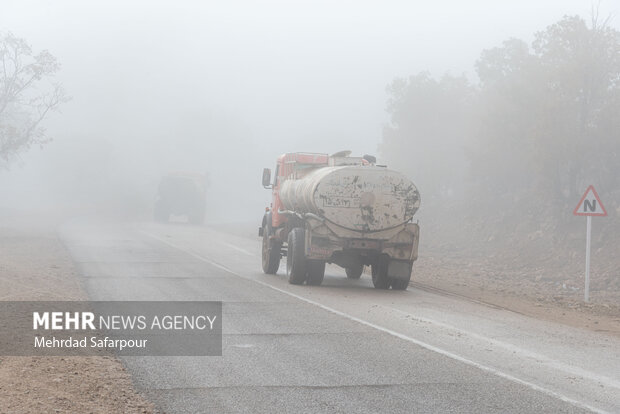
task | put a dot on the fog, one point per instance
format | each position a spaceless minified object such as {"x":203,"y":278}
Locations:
{"x":470,"y":291}
{"x":223,"y":88}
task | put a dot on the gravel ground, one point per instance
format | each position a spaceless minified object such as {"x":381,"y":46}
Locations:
{"x":34,"y":265}
{"x":525,"y":263}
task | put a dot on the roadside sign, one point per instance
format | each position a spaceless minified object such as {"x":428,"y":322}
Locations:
{"x":590,"y":204}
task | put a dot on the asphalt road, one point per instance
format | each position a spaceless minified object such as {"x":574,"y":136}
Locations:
{"x":340,"y":347}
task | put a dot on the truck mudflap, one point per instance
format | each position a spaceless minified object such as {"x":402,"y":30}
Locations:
{"x":404,"y":245}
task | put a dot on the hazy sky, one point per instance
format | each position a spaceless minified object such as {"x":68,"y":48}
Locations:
{"x":226,"y":86}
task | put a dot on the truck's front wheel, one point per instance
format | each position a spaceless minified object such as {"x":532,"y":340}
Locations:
{"x":271,"y":253}
{"x":295,"y":257}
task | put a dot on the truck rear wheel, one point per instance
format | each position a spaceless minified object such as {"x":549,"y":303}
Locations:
{"x":196,"y":217}
{"x":354,"y":272}
{"x":271,"y":253}
{"x":295,"y":257}
{"x":380,"y":273}
{"x":401,"y":284}
{"x":316,"y":272}
{"x":160,"y":212}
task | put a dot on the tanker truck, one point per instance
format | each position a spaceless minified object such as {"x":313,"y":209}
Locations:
{"x":343,"y":210}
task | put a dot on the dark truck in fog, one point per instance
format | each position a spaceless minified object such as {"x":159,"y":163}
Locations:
{"x":181,"y":194}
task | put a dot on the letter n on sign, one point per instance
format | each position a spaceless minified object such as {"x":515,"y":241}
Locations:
{"x":590,"y":204}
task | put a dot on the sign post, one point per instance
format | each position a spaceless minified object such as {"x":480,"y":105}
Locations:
{"x":589,"y":205}
{"x":586,"y":290}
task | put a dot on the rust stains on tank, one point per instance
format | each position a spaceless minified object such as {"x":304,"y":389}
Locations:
{"x":357,"y":198}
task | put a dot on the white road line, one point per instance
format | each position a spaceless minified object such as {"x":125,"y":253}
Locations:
{"x":560,"y":366}
{"x":391,"y":332}
{"x":239,"y":249}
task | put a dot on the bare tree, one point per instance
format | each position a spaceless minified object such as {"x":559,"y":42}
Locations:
{"x":27,"y":95}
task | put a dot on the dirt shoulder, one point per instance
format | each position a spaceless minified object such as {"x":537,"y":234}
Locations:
{"x":34,"y":265}
{"x":596,"y":317}
{"x":525,"y":265}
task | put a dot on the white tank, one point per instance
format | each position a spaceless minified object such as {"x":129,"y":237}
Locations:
{"x":360,"y":198}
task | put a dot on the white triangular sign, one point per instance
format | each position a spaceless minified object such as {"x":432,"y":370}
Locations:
{"x":590,"y":204}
